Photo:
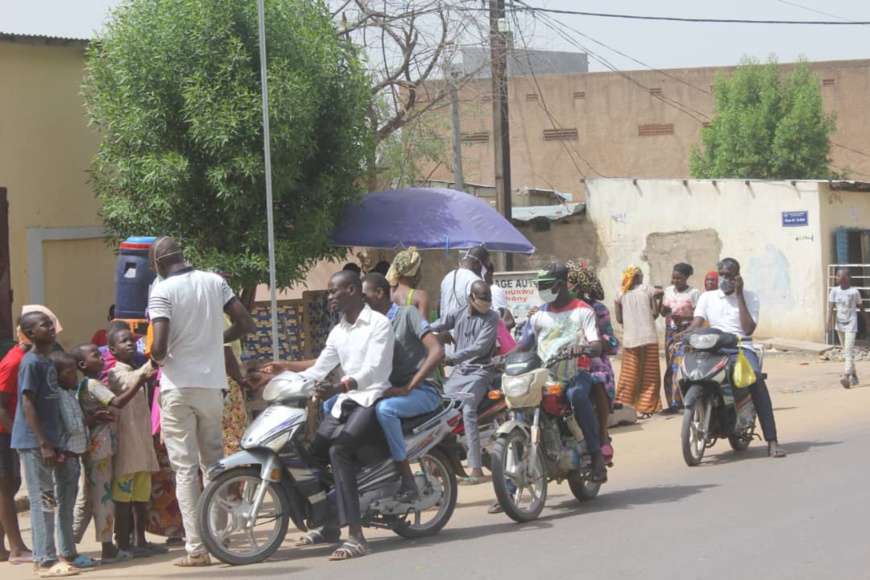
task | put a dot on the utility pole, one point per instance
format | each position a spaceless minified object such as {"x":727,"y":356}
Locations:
{"x":457,"y":140}
{"x":500,"y":123}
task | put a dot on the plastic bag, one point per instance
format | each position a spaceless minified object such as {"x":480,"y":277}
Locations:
{"x":744,"y":375}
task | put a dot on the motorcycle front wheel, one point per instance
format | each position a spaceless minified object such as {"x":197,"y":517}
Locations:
{"x":692,"y":433}
{"x":520,"y":480}
{"x":439,"y":471}
{"x":223,"y":516}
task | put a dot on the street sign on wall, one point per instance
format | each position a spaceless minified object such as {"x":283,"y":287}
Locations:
{"x":792,"y":219}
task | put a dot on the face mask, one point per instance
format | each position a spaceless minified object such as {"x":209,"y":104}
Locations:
{"x":549,"y":295}
{"x":480,"y":306}
{"x":726,"y":286}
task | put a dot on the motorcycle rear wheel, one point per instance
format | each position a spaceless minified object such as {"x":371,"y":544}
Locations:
{"x":583,"y":489}
{"x":221,"y":520}
{"x":434,"y":464}
{"x":508,"y":464}
{"x":694,"y":444}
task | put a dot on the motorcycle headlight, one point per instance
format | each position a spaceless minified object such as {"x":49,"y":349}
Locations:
{"x":703,"y":341}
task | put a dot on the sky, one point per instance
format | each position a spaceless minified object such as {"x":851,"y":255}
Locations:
{"x":644,"y":44}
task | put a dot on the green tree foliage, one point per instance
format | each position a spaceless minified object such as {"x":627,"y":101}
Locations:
{"x":174,"y":89}
{"x":767,"y":124}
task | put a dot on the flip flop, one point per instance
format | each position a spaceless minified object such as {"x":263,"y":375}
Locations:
{"x":349,"y":550}
{"x":16,"y":560}
{"x":316,"y":537}
{"x":155,"y":548}
{"x":59,"y":570}
{"x":474,"y":480}
{"x":607,"y":452}
{"x":775,"y":451}
{"x":83,"y":562}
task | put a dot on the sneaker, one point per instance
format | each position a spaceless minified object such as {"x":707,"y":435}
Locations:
{"x":845,"y":382}
{"x":854,"y":380}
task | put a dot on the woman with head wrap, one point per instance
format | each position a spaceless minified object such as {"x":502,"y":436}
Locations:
{"x":678,"y":307}
{"x":711,"y":281}
{"x":637,"y":307}
{"x":584,"y":284}
{"x":404,"y":275}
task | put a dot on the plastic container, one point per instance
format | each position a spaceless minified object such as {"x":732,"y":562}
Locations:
{"x":133,"y":278}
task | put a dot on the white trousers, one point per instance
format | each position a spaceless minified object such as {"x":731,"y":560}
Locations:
{"x":192,"y":430}
{"x":847,"y":341}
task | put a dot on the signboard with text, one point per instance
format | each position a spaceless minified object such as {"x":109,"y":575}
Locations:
{"x":792,"y":219}
{"x":520,"y":291}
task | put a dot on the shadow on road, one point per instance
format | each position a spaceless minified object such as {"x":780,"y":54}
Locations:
{"x":757,"y":451}
{"x":630,"y":498}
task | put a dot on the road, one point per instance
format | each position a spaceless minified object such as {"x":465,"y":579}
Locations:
{"x":734,"y":515}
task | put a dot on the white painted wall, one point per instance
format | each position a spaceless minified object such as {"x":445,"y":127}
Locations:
{"x":784,"y":265}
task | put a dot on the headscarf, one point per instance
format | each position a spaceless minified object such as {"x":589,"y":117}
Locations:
{"x":405,"y":264}
{"x":585,"y":280}
{"x":684,"y":269}
{"x":714,"y":274}
{"x":628,"y":277}
{"x":27,"y":309}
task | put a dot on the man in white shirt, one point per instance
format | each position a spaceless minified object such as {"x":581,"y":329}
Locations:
{"x":456,"y":285}
{"x":735,"y":310}
{"x":362,"y":344}
{"x":187,"y":315}
{"x":846,"y":301}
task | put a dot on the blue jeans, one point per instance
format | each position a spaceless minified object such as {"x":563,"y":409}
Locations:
{"x":579,"y":389}
{"x":40,"y":491}
{"x":66,"y":488}
{"x":760,"y":394}
{"x":423,"y":399}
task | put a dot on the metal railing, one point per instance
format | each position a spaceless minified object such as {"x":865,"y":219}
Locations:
{"x":860,"y":274}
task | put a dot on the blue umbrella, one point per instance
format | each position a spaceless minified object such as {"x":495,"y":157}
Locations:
{"x":430,"y":219}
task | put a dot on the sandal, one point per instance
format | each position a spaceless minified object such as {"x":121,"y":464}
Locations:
{"x":473,"y":480}
{"x":83,"y":562}
{"x":495,"y":508}
{"x":25,"y":558}
{"x":59,"y":570}
{"x":351,"y":549}
{"x":120,"y":556}
{"x":188,"y":561}
{"x":775,"y":450}
{"x":155,"y":548}
{"x":607,"y":452}
{"x":408,"y":493}
{"x":316,"y":537}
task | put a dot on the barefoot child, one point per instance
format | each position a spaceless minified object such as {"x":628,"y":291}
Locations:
{"x":36,"y":437}
{"x":135,"y":459}
{"x":99,"y":405}
{"x":73,"y":445}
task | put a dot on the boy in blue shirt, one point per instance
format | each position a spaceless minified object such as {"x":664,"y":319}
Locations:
{"x":37,"y":438}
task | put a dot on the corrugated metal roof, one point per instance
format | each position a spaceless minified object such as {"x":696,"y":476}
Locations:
{"x":550,"y":212}
{"x":43,"y":39}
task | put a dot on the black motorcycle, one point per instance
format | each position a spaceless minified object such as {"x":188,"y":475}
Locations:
{"x":715,"y":408}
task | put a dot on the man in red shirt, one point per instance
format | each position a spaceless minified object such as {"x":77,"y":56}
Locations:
{"x":10,"y":470}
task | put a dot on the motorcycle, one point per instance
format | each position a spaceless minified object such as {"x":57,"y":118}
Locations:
{"x":714,"y":408}
{"x":252,"y":496}
{"x":540,"y":442}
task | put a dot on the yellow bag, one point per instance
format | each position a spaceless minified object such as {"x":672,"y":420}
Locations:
{"x":743,"y":376}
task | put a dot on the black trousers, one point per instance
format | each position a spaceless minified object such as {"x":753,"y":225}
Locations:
{"x":336,"y":443}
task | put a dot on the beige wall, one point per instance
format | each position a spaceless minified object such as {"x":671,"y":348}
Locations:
{"x":783,"y":265}
{"x":45,"y":149}
{"x":607,"y":121}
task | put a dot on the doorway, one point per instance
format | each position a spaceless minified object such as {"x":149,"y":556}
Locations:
{"x":5,"y":276}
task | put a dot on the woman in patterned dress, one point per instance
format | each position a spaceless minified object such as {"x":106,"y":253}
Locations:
{"x":678,"y":307}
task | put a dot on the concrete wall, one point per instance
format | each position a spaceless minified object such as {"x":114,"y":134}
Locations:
{"x":607,"y":111}
{"x":45,"y":149}
{"x":655,"y":223}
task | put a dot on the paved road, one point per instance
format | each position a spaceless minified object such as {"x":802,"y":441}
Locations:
{"x":735,"y":515}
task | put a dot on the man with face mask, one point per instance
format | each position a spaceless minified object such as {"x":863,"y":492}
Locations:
{"x":735,"y":310}
{"x":566,"y":323}
{"x":474,"y":330}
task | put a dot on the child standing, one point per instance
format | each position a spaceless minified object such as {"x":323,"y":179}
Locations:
{"x":98,"y":403}
{"x":73,"y":445}
{"x":135,"y":460}
{"x":36,"y":437}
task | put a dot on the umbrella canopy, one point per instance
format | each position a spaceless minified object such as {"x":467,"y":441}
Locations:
{"x":430,"y":219}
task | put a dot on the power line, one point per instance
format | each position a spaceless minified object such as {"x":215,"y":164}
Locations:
{"x":535,"y":9}
{"x":802,"y":7}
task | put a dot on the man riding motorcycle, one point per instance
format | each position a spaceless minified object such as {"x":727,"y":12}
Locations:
{"x":362,"y":344}
{"x":564,"y":323}
{"x":413,"y":392}
{"x":735,"y":310}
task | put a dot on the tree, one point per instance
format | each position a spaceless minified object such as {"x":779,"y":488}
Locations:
{"x":174,"y":89}
{"x":767,"y":124}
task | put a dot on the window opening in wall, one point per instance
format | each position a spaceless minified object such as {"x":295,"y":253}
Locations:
{"x":655,"y":130}
{"x":561,"y":135}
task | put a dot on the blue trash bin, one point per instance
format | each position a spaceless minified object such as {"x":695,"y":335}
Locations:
{"x":133,"y":278}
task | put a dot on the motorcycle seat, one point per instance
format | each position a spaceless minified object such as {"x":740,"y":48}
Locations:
{"x":412,"y":423}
